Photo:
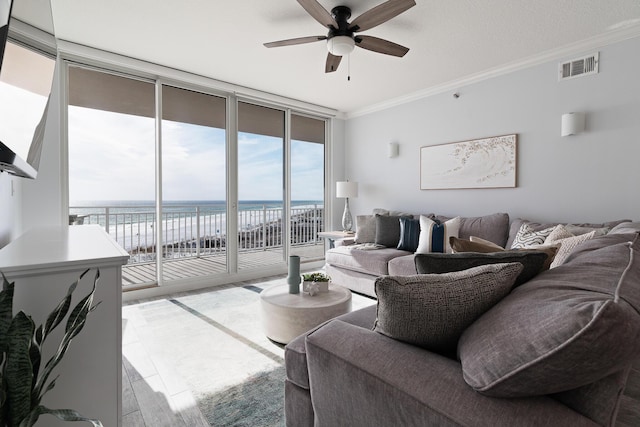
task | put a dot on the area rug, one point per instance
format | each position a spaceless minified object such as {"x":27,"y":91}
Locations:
{"x":259,"y":401}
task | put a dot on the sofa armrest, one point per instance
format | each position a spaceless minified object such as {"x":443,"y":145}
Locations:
{"x":361,"y":378}
{"x":347,"y":241}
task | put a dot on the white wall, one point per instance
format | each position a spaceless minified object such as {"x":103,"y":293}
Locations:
{"x":8,"y":205}
{"x":592,"y":176}
{"x":27,"y":203}
{"x":42,"y":197}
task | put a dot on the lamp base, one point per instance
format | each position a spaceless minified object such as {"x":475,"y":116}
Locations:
{"x":347,"y":219}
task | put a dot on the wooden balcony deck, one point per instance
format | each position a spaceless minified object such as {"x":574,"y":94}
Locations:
{"x":141,"y":274}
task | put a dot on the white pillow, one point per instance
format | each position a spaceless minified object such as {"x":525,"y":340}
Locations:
{"x":434,"y":237}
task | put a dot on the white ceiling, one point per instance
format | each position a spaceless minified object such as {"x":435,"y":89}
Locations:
{"x":449,"y":40}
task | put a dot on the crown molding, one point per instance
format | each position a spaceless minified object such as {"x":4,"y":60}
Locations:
{"x":600,"y":41}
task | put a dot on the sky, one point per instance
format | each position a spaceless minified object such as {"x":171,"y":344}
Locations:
{"x":112,"y":157}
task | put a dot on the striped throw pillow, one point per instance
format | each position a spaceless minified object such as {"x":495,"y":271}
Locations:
{"x":434,"y":237}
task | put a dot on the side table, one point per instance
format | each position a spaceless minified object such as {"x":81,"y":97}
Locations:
{"x":332,"y":236}
{"x":286,"y":316}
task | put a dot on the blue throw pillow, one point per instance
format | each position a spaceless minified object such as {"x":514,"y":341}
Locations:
{"x":409,"y":234}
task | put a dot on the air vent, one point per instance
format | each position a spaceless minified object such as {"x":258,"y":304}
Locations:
{"x":579,"y":67}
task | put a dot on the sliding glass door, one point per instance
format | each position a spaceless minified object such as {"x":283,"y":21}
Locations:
{"x":307,"y":186}
{"x":260,"y":173}
{"x":194,"y":185}
{"x":111,"y":127}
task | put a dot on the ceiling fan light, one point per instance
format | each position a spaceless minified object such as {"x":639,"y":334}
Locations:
{"x":340,"y":45}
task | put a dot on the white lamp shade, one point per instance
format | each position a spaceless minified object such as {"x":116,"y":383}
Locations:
{"x":346,"y":189}
{"x":572,"y":123}
{"x":340,"y":45}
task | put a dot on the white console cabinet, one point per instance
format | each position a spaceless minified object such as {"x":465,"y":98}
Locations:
{"x":43,"y":263}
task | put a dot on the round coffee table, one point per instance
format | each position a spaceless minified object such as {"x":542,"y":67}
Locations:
{"x":286,"y":316}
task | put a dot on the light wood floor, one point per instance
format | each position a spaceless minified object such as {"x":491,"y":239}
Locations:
{"x":134,"y":275}
{"x":178,"y":347}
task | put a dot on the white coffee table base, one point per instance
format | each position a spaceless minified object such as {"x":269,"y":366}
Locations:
{"x":286,"y":316}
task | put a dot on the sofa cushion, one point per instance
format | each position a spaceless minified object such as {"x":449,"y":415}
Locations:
{"x":295,"y":355}
{"x":409,"y":234}
{"x":432,"y":310}
{"x":373,"y":262}
{"x":494,"y":227}
{"x":402,"y":266}
{"x":626,"y":227}
{"x":388,"y":230}
{"x":434,"y":237}
{"x":365,"y":229}
{"x":532,"y":261}
{"x":569,"y":327}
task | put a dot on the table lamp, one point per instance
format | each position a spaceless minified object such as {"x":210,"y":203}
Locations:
{"x":346,"y":189}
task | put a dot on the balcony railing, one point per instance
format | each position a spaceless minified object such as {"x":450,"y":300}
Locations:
{"x":194,"y":231}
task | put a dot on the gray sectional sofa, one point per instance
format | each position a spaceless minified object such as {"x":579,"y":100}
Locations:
{"x":354,"y":263}
{"x":562,"y":349}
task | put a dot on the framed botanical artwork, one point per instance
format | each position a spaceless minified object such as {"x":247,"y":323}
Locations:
{"x":478,"y":163}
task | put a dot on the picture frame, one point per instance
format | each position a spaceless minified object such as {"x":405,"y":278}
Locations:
{"x":478,"y":163}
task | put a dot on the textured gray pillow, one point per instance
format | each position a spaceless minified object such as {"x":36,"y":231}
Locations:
{"x":432,"y":310}
{"x":435,"y":263}
{"x":365,"y":229}
{"x":572,"y":326}
{"x":387,"y":230}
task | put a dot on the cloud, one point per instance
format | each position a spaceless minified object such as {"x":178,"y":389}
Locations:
{"x":112,"y":157}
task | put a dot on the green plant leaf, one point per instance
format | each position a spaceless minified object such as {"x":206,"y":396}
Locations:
{"x":6,"y":310}
{"x":42,"y":332}
{"x":18,"y":373}
{"x":61,"y":414}
{"x":75,"y":323}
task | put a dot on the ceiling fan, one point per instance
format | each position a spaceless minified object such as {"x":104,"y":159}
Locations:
{"x":342,"y":37}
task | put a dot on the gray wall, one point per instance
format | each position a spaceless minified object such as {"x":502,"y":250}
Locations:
{"x":592,"y":176}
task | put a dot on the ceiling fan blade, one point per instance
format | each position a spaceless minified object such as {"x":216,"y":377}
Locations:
{"x":332,"y":63}
{"x":299,"y":40}
{"x":318,"y":13}
{"x":381,"y":46}
{"x":380,"y":14}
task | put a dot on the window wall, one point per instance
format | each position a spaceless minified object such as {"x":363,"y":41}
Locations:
{"x":162,"y":166}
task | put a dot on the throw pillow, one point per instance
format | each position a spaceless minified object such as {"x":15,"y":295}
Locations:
{"x":479,"y":245}
{"x":483,"y":246}
{"x":527,"y":236}
{"x":567,"y":241}
{"x":432,"y":310}
{"x":387,"y":230}
{"x":365,"y":229}
{"x":486,"y":242}
{"x":409,"y":234}
{"x":565,"y":329}
{"x":434,"y":237}
{"x":532,"y":261}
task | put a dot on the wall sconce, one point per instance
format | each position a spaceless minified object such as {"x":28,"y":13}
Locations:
{"x":572,"y":123}
{"x":394,"y":149}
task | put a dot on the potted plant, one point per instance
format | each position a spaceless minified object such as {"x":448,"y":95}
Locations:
{"x":318,"y":280}
{"x":23,"y":377}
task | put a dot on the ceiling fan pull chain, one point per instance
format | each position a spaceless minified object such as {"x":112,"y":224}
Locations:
{"x":349,"y":68}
